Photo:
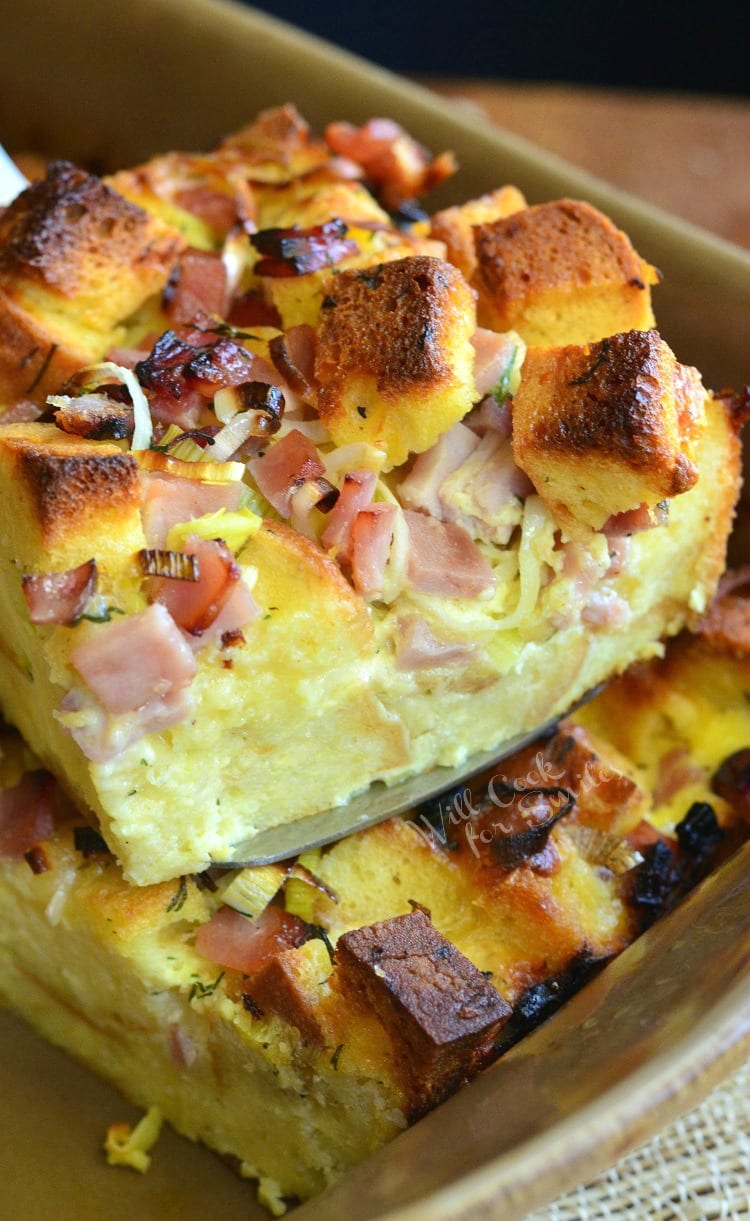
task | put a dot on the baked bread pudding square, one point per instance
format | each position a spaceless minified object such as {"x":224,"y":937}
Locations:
{"x":305,"y":506}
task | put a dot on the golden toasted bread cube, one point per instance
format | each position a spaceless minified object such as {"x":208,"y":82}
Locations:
{"x":277,"y":146}
{"x":560,"y":272}
{"x":606,"y":427}
{"x":455,"y":226}
{"x":394,"y":357}
{"x":70,"y":500}
{"x":299,"y":299}
{"x":76,"y":259}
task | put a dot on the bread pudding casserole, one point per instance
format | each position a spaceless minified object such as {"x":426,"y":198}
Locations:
{"x":305,"y":488}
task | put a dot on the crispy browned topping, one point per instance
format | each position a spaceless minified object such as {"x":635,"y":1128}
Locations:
{"x":615,"y":407}
{"x":61,"y":225}
{"x":69,"y":487}
{"x":95,"y":418}
{"x":280,"y":135}
{"x":385,"y":322}
{"x":565,"y":243}
{"x":605,"y":796}
{"x":441,"y":1013}
{"x":279,"y":988}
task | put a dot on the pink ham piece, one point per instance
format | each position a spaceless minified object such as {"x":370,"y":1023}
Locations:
{"x":485,"y":492}
{"x":199,"y":287}
{"x":493,"y":354}
{"x":232,"y":940}
{"x":284,"y":467}
{"x":22,"y":412}
{"x":127,"y":357}
{"x":195,"y":605}
{"x":60,"y":597}
{"x":675,"y":771}
{"x":293,"y":354}
{"x":102,"y":737}
{"x":605,"y":608}
{"x":214,"y":208}
{"x":167,"y":501}
{"x":27,"y":813}
{"x":356,"y":493}
{"x":418,"y":648}
{"x":392,"y":160}
{"x":372,"y":535}
{"x":490,"y":416}
{"x":444,"y":559}
{"x":634,"y":521}
{"x":421,"y":487}
{"x":238,"y":611}
{"x":132,"y":662}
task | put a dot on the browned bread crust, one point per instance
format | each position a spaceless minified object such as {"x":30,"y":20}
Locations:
{"x":560,"y":272}
{"x":605,"y":427}
{"x":76,"y":259}
{"x":70,"y":484}
{"x":455,"y":226}
{"x":394,"y":358}
{"x":443,"y":1016}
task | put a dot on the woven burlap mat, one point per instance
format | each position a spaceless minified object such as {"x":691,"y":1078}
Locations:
{"x":698,"y":1169}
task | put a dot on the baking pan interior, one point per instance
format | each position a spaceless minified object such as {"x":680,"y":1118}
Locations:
{"x":108,"y":85}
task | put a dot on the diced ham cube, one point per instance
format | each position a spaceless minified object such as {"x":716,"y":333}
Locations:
{"x":421,"y":487}
{"x":168,"y":500}
{"x":194,"y":605}
{"x":372,"y":535}
{"x":284,"y":467}
{"x":445,"y":560}
{"x":200,"y":287}
{"x":133,"y":661}
{"x":356,"y":494}
{"x":232,"y":940}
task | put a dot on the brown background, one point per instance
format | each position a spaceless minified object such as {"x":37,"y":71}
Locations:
{"x":687,"y":153}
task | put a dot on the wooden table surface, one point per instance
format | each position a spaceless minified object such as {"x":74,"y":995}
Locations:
{"x":688,"y":153}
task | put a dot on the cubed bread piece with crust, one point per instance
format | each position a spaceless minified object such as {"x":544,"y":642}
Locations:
{"x":71,"y":500}
{"x":560,"y":272}
{"x":606,"y":427}
{"x":76,"y":260}
{"x":443,"y":1015}
{"x":455,"y":226}
{"x":394,"y":357}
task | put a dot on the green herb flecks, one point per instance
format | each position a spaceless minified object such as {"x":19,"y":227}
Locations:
{"x":199,"y":990}
{"x":602,"y":358}
{"x":102,"y":616}
{"x":177,"y":902}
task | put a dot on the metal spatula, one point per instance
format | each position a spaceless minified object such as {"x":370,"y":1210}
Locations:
{"x":12,"y":181}
{"x":376,"y":804}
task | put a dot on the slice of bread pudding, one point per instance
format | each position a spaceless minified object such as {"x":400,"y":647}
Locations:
{"x":313,"y":507}
{"x":296,"y":1017}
